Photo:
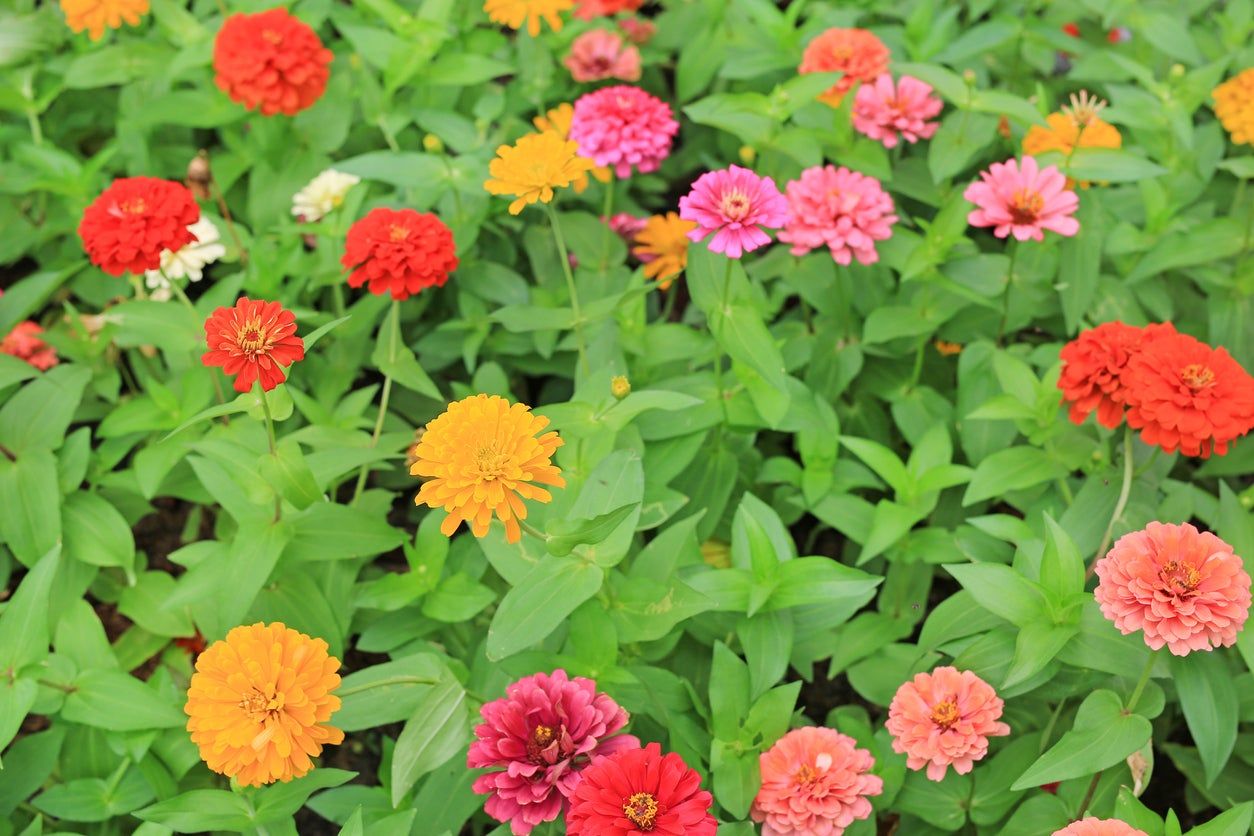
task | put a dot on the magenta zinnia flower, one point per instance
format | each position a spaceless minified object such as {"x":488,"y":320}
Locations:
{"x":623,"y":126}
{"x":944,"y":718}
{"x":734,"y":204}
{"x":542,"y":734}
{"x":1023,"y":199}
{"x":889,"y":112}
{"x":815,"y":782}
{"x":841,"y":209}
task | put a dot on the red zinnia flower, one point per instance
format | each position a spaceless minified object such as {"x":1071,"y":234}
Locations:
{"x":131,"y":222}
{"x":400,"y":252}
{"x":252,"y":340}
{"x":588,"y":9}
{"x":1093,"y":368}
{"x":640,"y":791}
{"x":24,"y":343}
{"x":270,"y":61}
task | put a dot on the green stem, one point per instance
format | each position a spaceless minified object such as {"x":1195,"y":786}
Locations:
{"x":1049,"y":727}
{"x":1141,"y":683}
{"x":606,"y":209}
{"x":58,"y":686}
{"x":274,"y":448}
{"x":383,"y":683}
{"x":668,"y":308}
{"x":394,"y":330}
{"x":1124,"y":491}
{"x":36,"y":132}
{"x":533,"y":531}
{"x":564,"y":257}
{"x":187,"y":302}
{"x":718,"y":358}
{"x":918,"y":365}
{"x":1005,"y":299}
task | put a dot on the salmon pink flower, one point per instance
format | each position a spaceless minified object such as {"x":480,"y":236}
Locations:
{"x":1094,"y":364}
{"x":600,"y":54}
{"x":638,"y":30}
{"x":640,"y":792}
{"x":270,"y":61}
{"x":890,"y":112}
{"x":399,"y":252}
{"x":815,"y":782}
{"x":1024,"y":200}
{"x":127,"y":227}
{"x":589,"y":9}
{"x":734,"y":204}
{"x":945,"y":718}
{"x":857,"y":53}
{"x":841,"y":209}
{"x":623,"y":126}
{"x":24,"y":343}
{"x":1093,"y":826}
{"x":252,"y":341}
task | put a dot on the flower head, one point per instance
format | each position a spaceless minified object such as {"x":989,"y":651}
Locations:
{"x":251,"y":341}
{"x":259,"y":703}
{"x":97,"y":15}
{"x":944,"y":718}
{"x":534,"y":166}
{"x":189,"y":261}
{"x":1184,"y":395}
{"x":855,"y":52}
{"x":1093,"y":826}
{"x":401,"y":252}
{"x":1077,"y":126}
{"x":640,"y":792}
{"x":540,"y":737}
{"x":514,"y":13}
{"x":890,"y":112}
{"x":625,"y":226}
{"x":589,"y":9}
{"x":620,"y":386}
{"x":1234,"y":106}
{"x":557,"y":120}
{"x":482,"y":457}
{"x":638,"y":30}
{"x":1181,"y":587}
{"x":600,"y":54}
{"x":322,"y":195}
{"x":126,"y":228}
{"x":662,"y":246}
{"x":1023,"y":200}
{"x":270,"y":61}
{"x":815,"y":782}
{"x":1093,"y":367}
{"x":623,"y":126}
{"x":24,"y":343}
{"x":841,"y":209}
{"x":734,"y":204}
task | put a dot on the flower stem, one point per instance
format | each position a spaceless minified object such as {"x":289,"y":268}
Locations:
{"x":394,"y":330}
{"x":220,"y":199}
{"x":274,"y":450}
{"x":1142,"y":682}
{"x":533,"y":531}
{"x":564,"y":257}
{"x":1005,"y":299}
{"x":724,"y":300}
{"x":1124,"y":491}
{"x":606,"y":209}
{"x":182,"y":295}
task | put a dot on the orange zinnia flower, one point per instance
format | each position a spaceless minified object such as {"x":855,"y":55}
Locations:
{"x":663,"y":247}
{"x":483,"y":458}
{"x":259,"y":703}
{"x":855,"y":52}
{"x":1077,"y":126}
{"x":534,"y":166}
{"x":558,"y":121}
{"x":252,"y":341}
{"x":97,"y":15}
{"x":514,"y":13}
{"x":1234,"y":105}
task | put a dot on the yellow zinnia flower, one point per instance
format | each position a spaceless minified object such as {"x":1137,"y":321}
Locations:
{"x":1077,"y":126}
{"x":663,"y":247}
{"x":558,"y":121}
{"x":97,"y":15}
{"x":259,"y":702}
{"x":533,"y":167}
{"x":1234,"y":105}
{"x":513,"y":13}
{"x":483,"y":458}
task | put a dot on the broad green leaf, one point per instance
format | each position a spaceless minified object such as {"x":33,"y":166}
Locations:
{"x":1062,"y":567}
{"x":1009,"y":470}
{"x":1210,"y":701}
{"x":436,"y":732}
{"x":113,"y":700}
{"x":1002,"y":591}
{"x":730,"y":692}
{"x":564,"y":535}
{"x":1103,"y":735}
{"x":389,"y":692}
{"x":279,"y":802}
{"x":95,"y":532}
{"x":328,"y":531}
{"x":198,"y":810}
{"x":735,"y":777}
{"x":1234,"y":822}
{"x":30,"y":496}
{"x":534,"y":608}
{"x":40,"y":413}
{"x":24,"y":633}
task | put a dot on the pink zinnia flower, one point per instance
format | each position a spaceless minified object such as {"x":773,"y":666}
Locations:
{"x":841,"y":209}
{"x":599,"y":54}
{"x":814,"y":783}
{"x":640,"y":791}
{"x":623,"y":126}
{"x":1024,"y":200}
{"x":1182,"y":587}
{"x":542,"y":733}
{"x":734,"y":204}
{"x":24,"y":343}
{"x":887,"y":112}
{"x":1093,"y":826}
{"x":638,"y":30}
{"x":945,"y":718}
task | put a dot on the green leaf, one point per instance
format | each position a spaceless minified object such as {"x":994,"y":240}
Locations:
{"x":279,"y":802}
{"x":96,"y":533}
{"x":564,"y":535}
{"x":24,"y":623}
{"x":1103,"y":735}
{"x":730,"y":692}
{"x":196,"y":811}
{"x":31,"y":499}
{"x":735,"y":777}
{"x":1234,"y":822}
{"x":328,"y":531}
{"x":1036,"y":646}
{"x":388,"y":693}
{"x":534,"y":608}
{"x":1211,"y":706}
{"x":1014,"y":469}
{"x":171,"y":327}
{"x":1062,"y":567}
{"x":394,"y":359}
{"x":16,"y":698}
{"x":398,"y":168}
{"x":821,"y":580}
{"x":1002,"y":591}
{"x":318,"y":333}
{"x":40,"y":413}
{"x":110,"y":699}
{"x":1202,"y":244}
{"x":289,"y":474}
{"x":436,"y":732}
{"x":942,"y":804}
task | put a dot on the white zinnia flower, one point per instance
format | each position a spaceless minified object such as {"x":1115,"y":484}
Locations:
{"x":190,"y":260}
{"x":323,"y":195}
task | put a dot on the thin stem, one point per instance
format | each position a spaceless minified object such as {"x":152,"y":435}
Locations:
{"x":1005,"y":299}
{"x":383,"y":683}
{"x":1142,"y":682}
{"x":58,"y":686}
{"x":1124,"y":491}
{"x":220,"y":199}
{"x":394,"y":329}
{"x":36,"y":132}
{"x":606,"y":211}
{"x":918,"y":365}
{"x":1049,"y":727}
{"x":274,"y":448}
{"x":182,"y":295}
{"x":564,"y":257}
{"x":718,"y":358}
{"x":1088,"y":795}
{"x":533,"y":531}
{"x":668,"y":308}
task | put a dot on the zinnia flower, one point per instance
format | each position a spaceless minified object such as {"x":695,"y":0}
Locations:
{"x":322,"y":195}
{"x":251,"y":341}
{"x":640,"y":791}
{"x":625,"y":226}
{"x":623,"y":126}
{"x":637,"y":30}
{"x":1234,"y":106}
{"x":815,"y":782}
{"x":662,"y":246}
{"x":888,"y":112}
{"x":557,"y":120}
{"x":599,"y":54}
{"x":189,"y":261}
{"x":1093,"y":826}
{"x":97,"y":15}
{"x":944,"y":718}
{"x":1181,"y":587}
{"x":514,"y":13}
{"x":534,"y":166}
{"x":1182,"y":394}
{"x":126,"y":228}
{"x":24,"y":343}
{"x":270,"y":61}
{"x":1077,"y":126}
{"x":545,"y":731}
{"x":1093,"y":367}
{"x":400,"y":252}
{"x":734,"y":204}
{"x":483,"y":458}
{"x":1023,"y":200}
{"x":588,"y":9}
{"x":855,"y":52}
{"x":259,"y":703}
{"x":841,"y":209}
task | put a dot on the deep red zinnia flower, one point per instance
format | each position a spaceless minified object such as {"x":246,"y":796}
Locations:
{"x":640,"y":791}
{"x":125,"y":229}
{"x":400,"y":252}
{"x":1093,"y":367}
{"x":271,"y":61}
{"x":251,"y":341}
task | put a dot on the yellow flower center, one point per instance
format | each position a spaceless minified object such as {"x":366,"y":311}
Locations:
{"x":1025,"y":207}
{"x":398,"y":233}
{"x":270,"y":36}
{"x":134,"y":207}
{"x":641,"y":810}
{"x":945,"y":715}
{"x":1181,"y":577}
{"x":1197,"y":376}
{"x":805,"y":775}
{"x":252,"y":338}
{"x":541,"y":738}
{"x":490,"y":463}
{"x":258,"y":706}
{"x":735,"y":205}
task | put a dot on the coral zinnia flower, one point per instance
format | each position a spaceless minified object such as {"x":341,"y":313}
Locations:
{"x":640,"y":791}
{"x":662,"y":246}
{"x":97,"y":15}
{"x":322,"y":195}
{"x":400,"y":252}
{"x":855,"y":52}
{"x":483,"y":457}
{"x":734,"y":204}
{"x":889,"y":112}
{"x":259,"y":703}
{"x":1023,"y":200}
{"x":1234,"y":105}
{"x":944,"y":718}
{"x":1183,"y":394}
{"x":841,"y":209}
{"x":23,"y":342}
{"x":542,"y":735}
{"x":1182,"y":587}
{"x":599,"y":54}
{"x":131,"y":222}
{"x":1077,"y":126}
{"x":251,"y":341}
{"x":1093,"y":826}
{"x":623,"y":126}
{"x":514,"y":13}
{"x":637,"y":30}
{"x":814,"y":783}
{"x":557,"y":120}
{"x":1093,"y":367}
{"x":588,"y":9}
{"x":270,"y":61}
{"x":534,"y":166}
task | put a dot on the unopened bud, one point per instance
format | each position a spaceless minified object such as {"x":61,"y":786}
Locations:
{"x":748,"y":154}
{"x":620,"y":386}
{"x":432,"y":143}
{"x":1177,"y":70}
{"x":968,"y":75}
{"x":199,"y":175}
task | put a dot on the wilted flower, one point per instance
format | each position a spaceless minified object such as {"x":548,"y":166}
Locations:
{"x":1093,"y":826}
{"x":322,"y":195}
{"x":270,"y":61}
{"x":662,"y":246}
{"x":945,"y":718}
{"x":97,"y":15}
{"x":128,"y":226}
{"x":399,"y":252}
{"x":1023,"y":200}
{"x":189,"y":261}
{"x":599,"y":54}
{"x":534,"y":166}
{"x":514,"y":13}
{"x":623,"y":127}
{"x":843,"y":210}
{"x":735,"y":204}
{"x":1093,"y":369}
{"x":1234,"y":106}
{"x":640,"y":791}
{"x":252,"y":342}
{"x":857,"y":53}
{"x":889,"y":112}
{"x":24,"y":343}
